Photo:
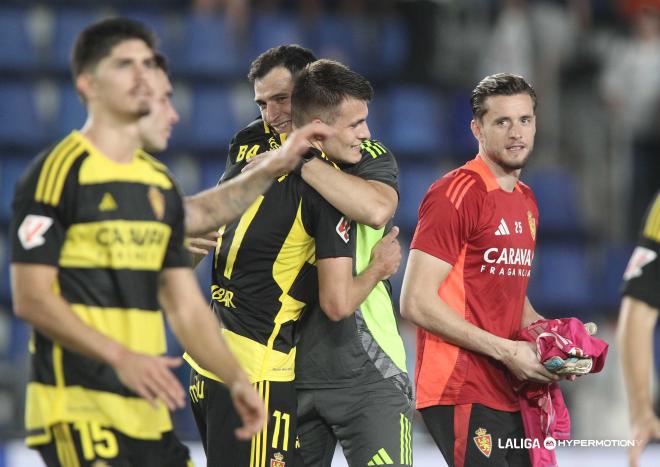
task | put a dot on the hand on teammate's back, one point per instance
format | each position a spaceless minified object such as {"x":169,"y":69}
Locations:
{"x":151,"y":378}
{"x":202,"y":245}
{"x":256,"y":160}
{"x":386,"y":255}
{"x":525,"y":365}
{"x":250,"y":407}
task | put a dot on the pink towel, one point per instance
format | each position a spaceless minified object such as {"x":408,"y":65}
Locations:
{"x":542,"y":406}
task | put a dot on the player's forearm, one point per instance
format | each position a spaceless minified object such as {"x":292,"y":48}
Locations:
{"x":215,"y":207}
{"x":352,"y":196}
{"x":52,"y":316}
{"x":433,"y":314}
{"x":635,"y":336}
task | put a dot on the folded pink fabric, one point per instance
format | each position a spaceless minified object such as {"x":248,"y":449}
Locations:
{"x":542,"y":406}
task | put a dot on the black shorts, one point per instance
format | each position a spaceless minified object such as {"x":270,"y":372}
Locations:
{"x":88,"y":444}
{"x":372,"y":422}
{"x":475,"y":435}
{"x":216,"y":420}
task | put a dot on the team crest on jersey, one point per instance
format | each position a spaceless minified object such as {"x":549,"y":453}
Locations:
{"x":343,"y":229}
{"x":483,"y":441}
{"x":532,"y":224}
{"x":157,"y":200}
{"x":277,"y":461}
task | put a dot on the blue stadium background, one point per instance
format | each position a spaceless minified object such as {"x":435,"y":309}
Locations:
{"x":423,"y":59}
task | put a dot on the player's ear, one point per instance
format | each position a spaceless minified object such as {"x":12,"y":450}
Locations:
{"x":84,"y":85}
{"x":476,"y":129}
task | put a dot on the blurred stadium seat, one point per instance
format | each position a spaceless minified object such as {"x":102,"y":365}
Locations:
{"x":417,"y":124}
{"x":68,"y":24}
{"x":561,"y":282}
{"x":210,"y":47}
{"x":17,"y":47}
{"x":70,"y":114}
{"x":11,"y":169}
{"x":273,"y":29}
{"x":20,"y":124}
{"x":559,"y":204}
{"x":212,"y":122}
{"x":414,"y":182}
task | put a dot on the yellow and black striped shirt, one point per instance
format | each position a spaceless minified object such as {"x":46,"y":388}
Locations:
{"x":264,"y":273}
{"x":110,"y":229}
{"x":642,"y":276}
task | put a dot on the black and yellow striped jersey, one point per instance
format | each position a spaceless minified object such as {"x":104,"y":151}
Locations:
{"x":642,"y":276}
{"x":264,"y":273}
{"x":110,"y":229}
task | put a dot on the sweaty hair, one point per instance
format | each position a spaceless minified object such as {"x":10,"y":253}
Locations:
{"x":96,"y":41}
{"x":321,"y":87}
{"x":292,"y":57}
{"x":500,"y":84}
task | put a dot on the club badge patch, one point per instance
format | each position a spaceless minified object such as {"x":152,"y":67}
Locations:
{"x":532,"y":224}
{"x":32,"y":229}
{"x":483,"y":441}
{"x":277,"y":461}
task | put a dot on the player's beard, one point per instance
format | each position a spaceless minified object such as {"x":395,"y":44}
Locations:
{"x":510,"y":165}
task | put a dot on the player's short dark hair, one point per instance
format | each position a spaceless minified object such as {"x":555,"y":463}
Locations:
{"x":161,"y":62}
{"x":97,"y":40}
{"x":500,"y":84}
{"x":321,"y":87}
{"x":292,"y":57}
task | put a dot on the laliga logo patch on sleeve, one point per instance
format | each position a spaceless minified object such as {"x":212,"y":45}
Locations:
{"x":32,"y":230}
{"x":640,"y":258}
{"x":343,"y":228}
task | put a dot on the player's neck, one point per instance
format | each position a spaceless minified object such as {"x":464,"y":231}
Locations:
{"x":116,"y":140}
{"x":506,"y":178}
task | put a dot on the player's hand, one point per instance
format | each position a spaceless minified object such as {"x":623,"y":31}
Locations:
{"x":202,"y":245}
{"x":644,"y":429}
{"x":288,"y":157}
{"x":524,"y":364}
{"x":151,"y":378}
{"x":256,"y":160}
{"x":250,"y":408}
{"x":386,"y":255}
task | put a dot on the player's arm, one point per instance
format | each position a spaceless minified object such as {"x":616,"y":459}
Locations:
{"x":368,"y":202}
{"x":421,"y":304}
{"x":217,"y":206}
{"x":529,"y":314}
{"x":341,"y":293}
{"x":197,"y":329}
{"x":637,"y":321}
{"x":36,"y":302}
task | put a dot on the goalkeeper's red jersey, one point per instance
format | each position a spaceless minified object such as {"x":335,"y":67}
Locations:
{"x":488,"y":236}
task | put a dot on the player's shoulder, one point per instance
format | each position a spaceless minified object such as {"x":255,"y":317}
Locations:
{"x":651,"y":227}
{"x":374,"y":149}
{"x":255,"y":131}
{"x":526,"y":190}
{"x":458,"y":185}
{"x":49,"y":172}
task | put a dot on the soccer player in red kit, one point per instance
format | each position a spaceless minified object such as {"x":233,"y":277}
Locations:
{"x":466,"y":281}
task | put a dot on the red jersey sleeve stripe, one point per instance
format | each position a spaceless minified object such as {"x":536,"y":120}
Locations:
{"x":459,"y":187}
{"x":465,"y":190}
{"x":452,"y":186}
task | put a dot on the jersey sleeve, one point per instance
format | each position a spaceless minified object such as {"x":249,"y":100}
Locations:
{"x":38,"y":228}
{"x":448,"y":215}
{"x":641,"y":280}
{"x":176,"y":255}
{"x":334,"y":233}
{"x":377,"y":163}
